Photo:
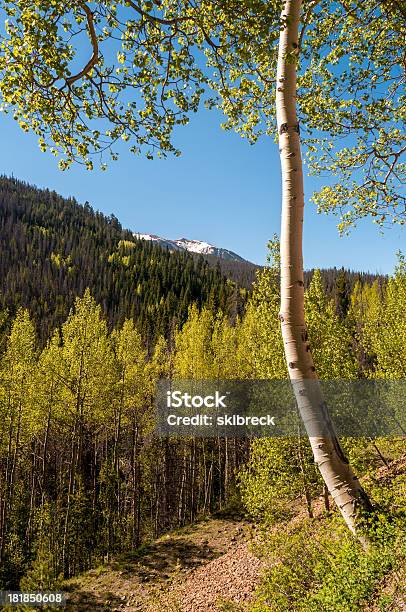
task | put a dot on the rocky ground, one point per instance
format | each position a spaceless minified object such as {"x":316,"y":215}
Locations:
{"x":205,"y":567}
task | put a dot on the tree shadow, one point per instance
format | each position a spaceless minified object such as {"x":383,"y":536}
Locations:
{"x":163,"y":558}
{"x":153,"y":564}
{"x":85,"y":601}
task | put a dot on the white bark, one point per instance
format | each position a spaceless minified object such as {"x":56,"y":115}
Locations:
{"x":340,"y":480}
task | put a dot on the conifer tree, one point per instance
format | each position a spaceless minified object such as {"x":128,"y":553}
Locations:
{"x":342,"y":291}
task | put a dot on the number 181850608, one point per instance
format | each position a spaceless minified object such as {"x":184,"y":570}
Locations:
{"x":34,"y":598}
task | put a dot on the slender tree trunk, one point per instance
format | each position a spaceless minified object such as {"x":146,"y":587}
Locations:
{"x":193,"y":464}
{"x":306,"y":487}
{"x":45,"y":450}
{"x":207,"y":493}
{"x":326,"y":499}
{"x":135,"y":482}
{"x":5,"y":500}
{"x":383,"y":459}
{"x":220,"y":470}
{"x":340,"y":480}
{"x":65,"y":555}
{"x":181,"y":498}
{"x":29,"y":528}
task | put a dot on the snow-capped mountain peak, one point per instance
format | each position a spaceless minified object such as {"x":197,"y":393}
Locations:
{"x":193,"y":246}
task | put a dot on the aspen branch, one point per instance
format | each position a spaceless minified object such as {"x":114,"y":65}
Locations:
{"x":171,"y":22}
{"x":154,"y":18}
{"x":95,"y":44}
{"x":305,"y":21}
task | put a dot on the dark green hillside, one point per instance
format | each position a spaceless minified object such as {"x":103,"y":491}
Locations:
{"x":52,"y":248}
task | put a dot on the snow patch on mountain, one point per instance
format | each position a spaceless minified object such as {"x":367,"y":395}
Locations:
{"x":193,"y":246}
{"x":169,"y":244}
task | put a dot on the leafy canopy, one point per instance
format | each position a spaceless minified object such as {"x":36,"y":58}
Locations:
{"x":84,"y":76}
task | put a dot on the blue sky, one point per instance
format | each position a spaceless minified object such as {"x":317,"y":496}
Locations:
{"x":222,"y":190}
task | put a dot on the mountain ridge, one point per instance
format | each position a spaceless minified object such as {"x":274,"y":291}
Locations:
{"x":200,"y":247}
{"x":53,"y":248}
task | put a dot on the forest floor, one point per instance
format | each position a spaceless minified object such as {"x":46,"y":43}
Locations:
{"x":195,"y":569}
{"x":206,"y":567}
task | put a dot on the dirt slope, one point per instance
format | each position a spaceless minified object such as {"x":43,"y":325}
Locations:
{"x":206,"y":567}
{"x":192,"y":570}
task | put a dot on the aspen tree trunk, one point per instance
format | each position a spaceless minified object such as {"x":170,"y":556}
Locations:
{"x":135,"y":481}
{"x":340,"y":480}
